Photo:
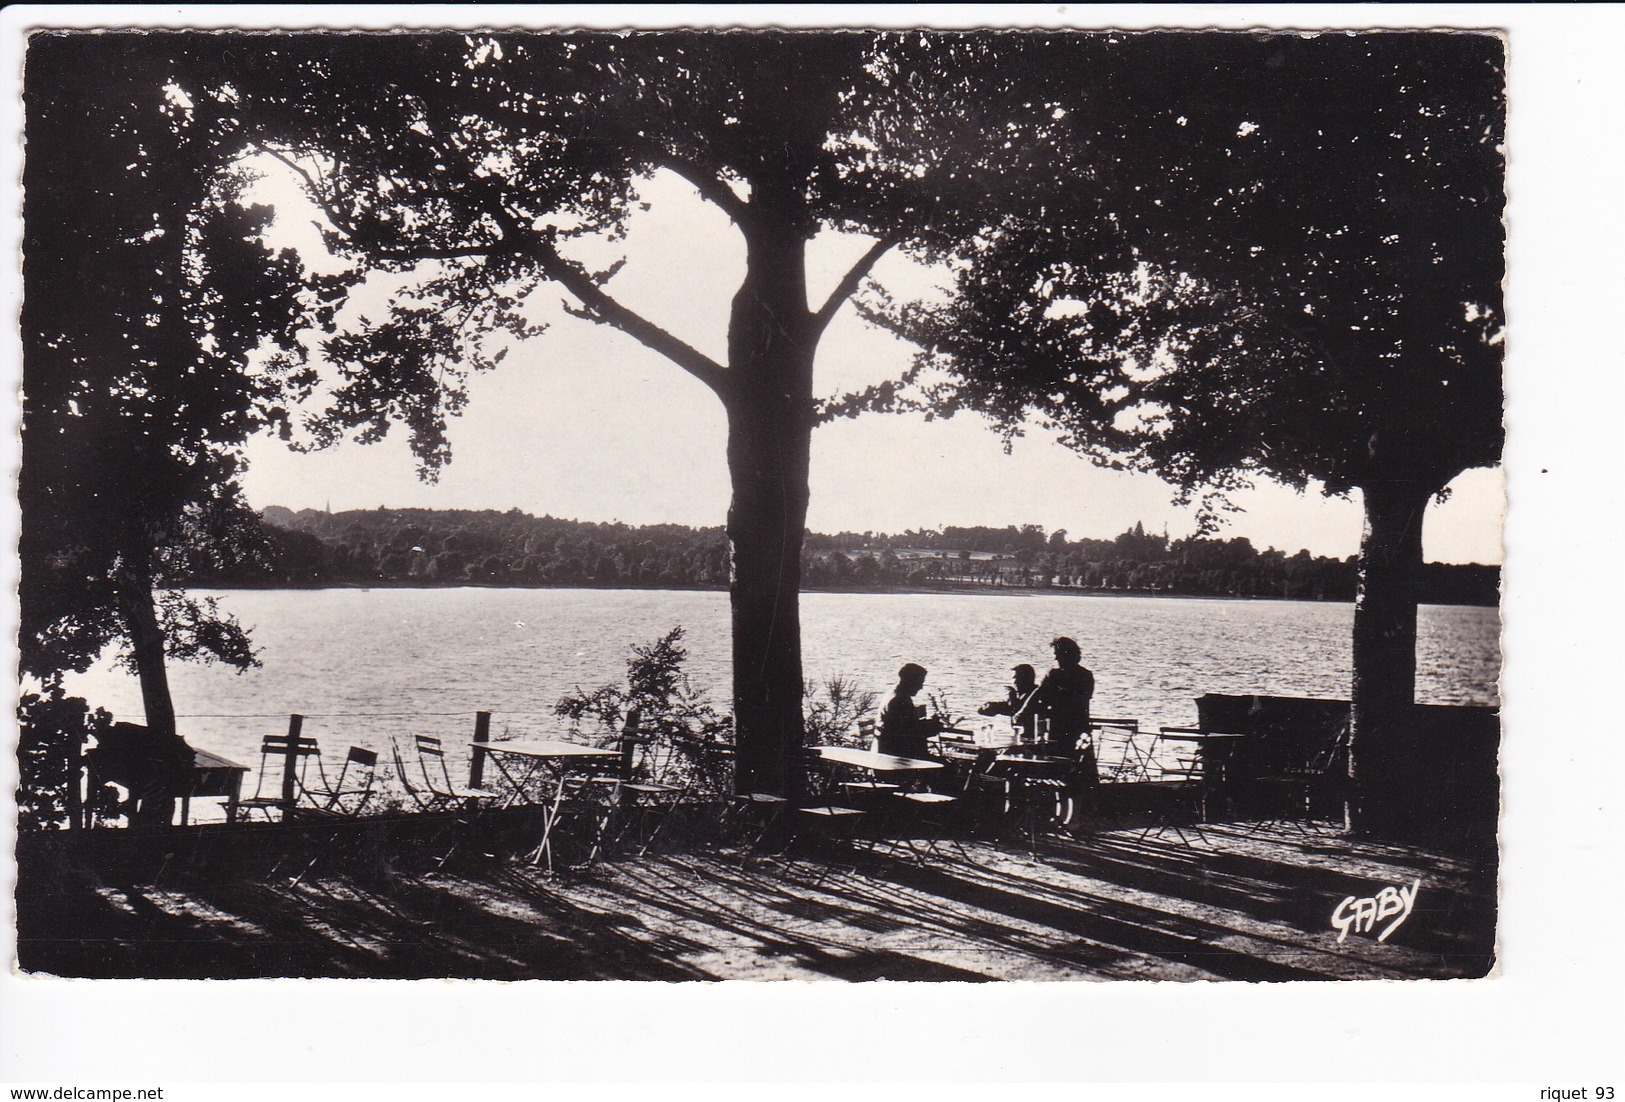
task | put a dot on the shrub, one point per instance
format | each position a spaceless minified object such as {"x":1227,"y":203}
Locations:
{"x":832,"y":719}
{"x":52,"y":729}
{"x":682,"y":724}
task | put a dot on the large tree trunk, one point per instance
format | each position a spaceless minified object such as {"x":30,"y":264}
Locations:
{"x":1385,"y":649}
{"x":769,"y":401}
{"x":166,"y":764}
{"x":146,"y":644}
{"x":768,"y":459}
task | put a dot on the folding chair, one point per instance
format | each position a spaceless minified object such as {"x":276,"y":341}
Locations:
{"x":866,"y":733}
{"x":273,"y":765}
{"x":648,"y":804}
{"x":757,"y":818}
{"x":1038,"y":794}
{"x":431,"y":797}
{"x":332,"y":800}
{"x":706,"y":766}
{"x":1132,"y":760}
{"x":579,"y":817}
{"x":333,"y":797}
{"x":440,"y":792}
{"x":1178,"y":791}
{"x":1293,"y":789}
{"x":822,"y":823}
{"x":941,"y":817}
{"x":628,"y":799}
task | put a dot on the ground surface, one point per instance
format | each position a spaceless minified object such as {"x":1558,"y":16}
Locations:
{"x":1228,"y":904}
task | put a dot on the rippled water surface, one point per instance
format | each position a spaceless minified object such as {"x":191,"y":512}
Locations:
{"x":364,"y":664}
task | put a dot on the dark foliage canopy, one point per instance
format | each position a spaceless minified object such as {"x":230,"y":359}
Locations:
{"x":147,"y":294}
{"x":471,"y":167}
{"x":1276,"y":254}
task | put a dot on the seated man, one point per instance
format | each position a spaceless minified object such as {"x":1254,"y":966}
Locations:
{"x":1016,"y":696}
{"x":904,"y":729}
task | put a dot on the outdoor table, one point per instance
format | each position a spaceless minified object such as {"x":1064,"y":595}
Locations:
{"x":875,"y":761}
{"x":1024,"y":766}
{"x":213,"y":775}
{"x":881,"y":765}
{"x":554,"y":757}
{"x":1213,"y":747}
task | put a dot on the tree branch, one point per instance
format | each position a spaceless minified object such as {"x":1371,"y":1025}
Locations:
{"x":438,"y":252}
{"x":710,"y":188}
{"x":334,"y":215}
{"x":346,"y":226}
{"x":600,"y":307}
{"x":849,"y":283}
{"x":597,"y":304}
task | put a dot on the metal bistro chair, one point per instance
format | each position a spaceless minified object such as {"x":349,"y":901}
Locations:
{"x":825,"y":826}
{"x":707,"y":769}
{"x":757,"y":819}
{"x":1039,"y":793}
{"x":333,"y":798}
{"x":1292,"y":790}
{"x":439,"y":792}
{"x":1132,"y":760}
{"x":274,"y":751}
{"x":632,"y":801}
{"x":940,"y":816}
{"x":442,"y":796}
{"x":334,"y":802}
{"x":868,"y":738}
{"x":817,"y":818}
{"x":1179,"y":788}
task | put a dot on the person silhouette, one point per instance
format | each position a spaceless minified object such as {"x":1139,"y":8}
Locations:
{"x":1061,"y":706}
{"x":904,"y":729}
{"x":1015,"y":696}
{"x":1061,"y":701}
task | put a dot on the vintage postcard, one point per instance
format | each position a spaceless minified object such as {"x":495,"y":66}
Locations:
{"x":821,"y":500}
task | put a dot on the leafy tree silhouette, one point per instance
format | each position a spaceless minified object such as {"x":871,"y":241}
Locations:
{"x":469,"y":169}
{"x":147,"y":292}
{"x":1292,"y":269}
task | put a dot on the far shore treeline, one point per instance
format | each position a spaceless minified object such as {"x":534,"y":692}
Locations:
{"x":427,"y":547}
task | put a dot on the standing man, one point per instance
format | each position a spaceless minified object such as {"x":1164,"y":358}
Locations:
{"x":1062,"y":701}
{"x":1063,"y":697}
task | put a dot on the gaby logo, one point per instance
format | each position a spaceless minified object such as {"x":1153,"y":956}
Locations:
{"x":1362,"y":915}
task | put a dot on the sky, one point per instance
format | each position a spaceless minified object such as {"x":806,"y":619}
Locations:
{"x":585,"y":423}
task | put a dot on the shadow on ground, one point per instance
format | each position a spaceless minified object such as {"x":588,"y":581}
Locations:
{"x":1225,"y":904}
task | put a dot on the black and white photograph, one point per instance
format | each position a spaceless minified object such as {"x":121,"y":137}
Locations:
{"x":853,"y":503}
{"x":835,"y":502}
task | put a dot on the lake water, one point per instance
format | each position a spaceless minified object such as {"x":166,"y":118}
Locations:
{"x":362,"y":665}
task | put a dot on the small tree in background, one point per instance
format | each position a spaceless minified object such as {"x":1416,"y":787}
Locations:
{"x":679,"y":718}
{"x":833,"y":710}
